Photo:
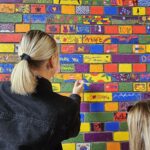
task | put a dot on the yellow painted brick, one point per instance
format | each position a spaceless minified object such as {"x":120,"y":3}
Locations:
{"x":7,"y":47}
{"x":70,"y":146}
{"x":148,"y":48}
{"x":96,"y":68}
{"x":7,"y":8}
{"x":98,"y":97}
{"x":112,"y":106}
{"x":67,"y":2}
{"x":139,"y":48}
{"x":96,"y":58}
{"x":139,"y":87}
{"x":125,"y":68}
{"x":22,"y":27}
{"x":148,"y":86}
{"x":139,"y":11}
{"x":121,"y":136}
{"x":56,"y":87}
{"x":85,"y":127}
{"x":125,"y":29}
{"x":67,"y":9}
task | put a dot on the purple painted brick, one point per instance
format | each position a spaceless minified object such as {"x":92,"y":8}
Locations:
{"x":84,"y":107}
{"x":125,"y":146}
{"x":125,"y":58}
{"x":11,"y":1}
{"x":145,"y":96}
{"x":95,"y":137}
{"x":96,"y":87}
{"x":82,"y":67}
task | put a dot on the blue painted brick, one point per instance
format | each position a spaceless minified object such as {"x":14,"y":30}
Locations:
{"x":83,"y":29}
{"x":96,"y":107}
{"x":82,"y":117}
{"x":96,"y":49}
{"x":145,"y":58}
{"x":111,"y":126}
{"x":110,"y":10}
{"x":53,"y":9}
{"x":6,"y":68}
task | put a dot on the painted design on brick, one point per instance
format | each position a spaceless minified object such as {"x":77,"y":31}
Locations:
{"x":83,"y":146}
{"x":22,"y":8}
{"x":4,"y":77}
{"x":120,"y":116}
{"x":6,"y":27}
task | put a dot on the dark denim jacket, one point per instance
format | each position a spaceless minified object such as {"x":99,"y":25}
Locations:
{"x":40,"y":121}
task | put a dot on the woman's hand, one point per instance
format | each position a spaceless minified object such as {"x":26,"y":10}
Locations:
{"x":78,"y":87}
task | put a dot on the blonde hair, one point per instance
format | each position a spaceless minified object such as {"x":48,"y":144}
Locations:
{"x":139,"y":126}
{"x":40,"y":47}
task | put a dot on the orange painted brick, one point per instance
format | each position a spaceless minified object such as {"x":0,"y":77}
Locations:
{"x":67,"y":9}
{"x":139,"y":67}
{"x":139,"y":29}
{"x":111,"y":106}
{"x":8,"y":38}
{"x":36,"y":8}
{"x":111,"y":87}
{"x":97,"y":10}
{"x":110,"y":68}
{"x":147,"y":10}
{"x":113,"y":146}
{"x":96,"y":68}
{"x":111,"y":29}
{"x":22,"y":27}
{"x":7,"y":8}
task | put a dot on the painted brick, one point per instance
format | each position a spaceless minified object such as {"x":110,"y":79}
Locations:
{"x":96,"y":68}
{"x":65,"y":8}
{"x":56,"y":87}
{"x":66,"y":87}
{"x":69,"y":146}
{"x":53,"y":9}
{"x":97,"y":126}
{"x":22,"y":8}
{"x":111,"y":48}
{"x":7,"y":8}
{"x":11,"y":1}
{"x":98,"y":117}
{"x":10,"y":38}
{"x":82,"y":117}
{"x":95,"y":137}
{"x":83,"y":29}
{"x":97,"y":29}
{"x":139,"y":67}
{"x":110,"y":10}
{"x":38,"y":27}
{"x":139,"y":48}
{"x":96,"y":49}
{"x":111,"y":29}
{"x":9,"y":58}
{"x":67,"y":68}
{"x":68,"y":28}
{"x":123,"y":87}
{"x":138,"y":11}
{"x":111,"y":87}
{"x":125,"y":67}
{"x":111,"y":68}
{"x":11,"y":18}
{"x":148,"y":67}
{"x":4,"y":77}
{"x":120,"y":116}
{"x":139,"y":87}
{"x":84,"y":107}
{"x":96,"y":146}
{"x":126,"y":96}
{"x":125,"y":48}
{"x":7,"y":27}
{"x":97,"y":10}
{"x":37,"y":1}
{"x":139,"y":29}
{"x":81,"y":67}
{"x":76,"y":139}
{"x":111,"y":126}
{"x":111,"y":106}
{"x":145,"y":77}
{"x":7,"y":47}
{"x":6,"y":68}
{"x":121,"y":136}
{"x":123,"y":126}
{"x":83,"y":146}
{"x":144,"y":39}
{"x":94,"y":87}
{"x":82,"y":9}
{"x":50,"y":28}
{"x":125,"y":58}
{"x":96,"y":107}
{"x":22,"y":27}
{"x":125,"y":146}
{"x":113,"y":145}
{"x":145,"y":58}
{"x":39,"y":9}
{"x":123,"y":106}
{"x":125,"y":11}
{"x":85,"y":127}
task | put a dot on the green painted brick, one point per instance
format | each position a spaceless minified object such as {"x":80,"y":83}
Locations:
{"x":125,"y":86}
{"x":125,"y":48}
{"x":123,"y":126}
{"x":78,"y":139}
{"x":67,"y":87}
{"x":98,"y":146}
{"x":148,"y":67}
{"x":10,"y":18}
{"x":38,"y":27}
{"x":37,"y":1}
{"x":67,"y":68}
{"x":144,"y":39}
{"x":100,"y":117}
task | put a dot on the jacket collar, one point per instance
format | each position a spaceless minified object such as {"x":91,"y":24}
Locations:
{"x":43,"y":85}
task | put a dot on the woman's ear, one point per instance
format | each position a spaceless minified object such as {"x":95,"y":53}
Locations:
{"x":49,"y":64}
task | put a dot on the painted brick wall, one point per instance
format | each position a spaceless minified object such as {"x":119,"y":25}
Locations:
{"x":104,"y":42}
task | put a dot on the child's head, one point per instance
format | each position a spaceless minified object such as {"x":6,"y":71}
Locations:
{"x":39,"y":56}
{"x":139,"y":126}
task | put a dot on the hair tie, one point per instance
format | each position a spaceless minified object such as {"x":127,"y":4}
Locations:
{"x":25,"y":57}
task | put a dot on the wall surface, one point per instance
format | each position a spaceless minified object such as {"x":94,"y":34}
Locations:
{"x":104,"y":42}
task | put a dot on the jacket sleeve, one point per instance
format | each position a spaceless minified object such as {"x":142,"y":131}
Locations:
{"x":70,"y":119}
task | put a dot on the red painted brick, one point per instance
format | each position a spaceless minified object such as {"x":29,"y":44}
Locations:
{"x":139,"y":29}
{"x":120,"y":116}
{"x":111,"y":87}
{"x":110,"y":68}
{"x":97,"y":10}
{"x":111,"y":30}
{"x":10,"y":38}
{"x":139,"y":67}
{"x":147,"y":10}
{"x":40,"y":9}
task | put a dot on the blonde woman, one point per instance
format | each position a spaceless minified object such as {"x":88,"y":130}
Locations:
{"x":139,"y":126}
{"x":32,"y":116}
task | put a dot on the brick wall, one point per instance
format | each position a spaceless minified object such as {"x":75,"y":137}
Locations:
{"x":104,"y":42}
